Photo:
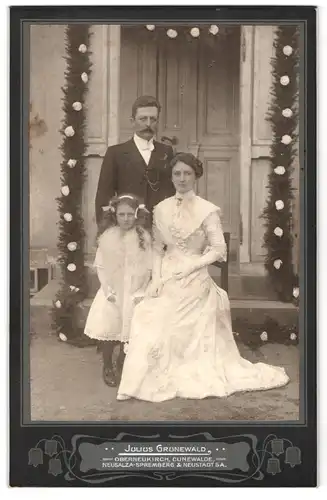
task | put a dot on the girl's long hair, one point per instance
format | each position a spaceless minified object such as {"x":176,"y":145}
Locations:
{"x":109,"y":217}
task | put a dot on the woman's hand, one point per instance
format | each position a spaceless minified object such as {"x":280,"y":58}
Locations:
{"x":184,"y":273}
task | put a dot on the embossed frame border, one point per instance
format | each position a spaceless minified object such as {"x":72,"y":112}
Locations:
{"x":23,"y":437}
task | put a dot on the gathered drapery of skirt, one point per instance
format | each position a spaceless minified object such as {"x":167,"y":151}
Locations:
{"x":182,"y":345}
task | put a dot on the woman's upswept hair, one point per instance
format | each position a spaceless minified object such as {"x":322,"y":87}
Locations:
{"x":109,"y":218}
{"x":189,"y":160}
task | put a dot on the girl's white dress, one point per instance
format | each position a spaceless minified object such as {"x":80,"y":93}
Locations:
{"x":124,"y":271}
{"x":181,"y":342}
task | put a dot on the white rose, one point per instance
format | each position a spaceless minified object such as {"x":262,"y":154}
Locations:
{"x":286,"y":139}
{"x":287,"y":50}
{"x":58,"y":304}
{"x":213,"y":29}
{"x":278,"y":263}
{"x":296,"y":292}
{"x":62,"y":337}
{"x":150,"y":27}
{"x":172,"y":33}
{"x":72,"y":246}
{"x":69,"y":131}
{"x":71,"y":267}
{"x":264,"y":336}
{"x":65,"y":190}
{"x":195,"y":32}
{"x":284,"y":80}
{"x":68,"y":217}
{"x":279,"y":170}
{"x":279,"y":204}
{"x":71,"y":163}
{"x":84,"y":77}
{"x":82,"y":48}
{"x":293,"y":336}
{"x":278,"y":231}
{"x":77,"y":106}
{"x":287,"y":113}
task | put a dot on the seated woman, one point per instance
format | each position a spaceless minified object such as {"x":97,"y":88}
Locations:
{"x":181,"y":341}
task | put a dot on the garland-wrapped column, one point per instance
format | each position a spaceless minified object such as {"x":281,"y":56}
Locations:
{"x":73,"y":174}
{"x":283,"y":116}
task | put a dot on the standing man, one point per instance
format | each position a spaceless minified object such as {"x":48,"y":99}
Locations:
{"x":140,"y":165}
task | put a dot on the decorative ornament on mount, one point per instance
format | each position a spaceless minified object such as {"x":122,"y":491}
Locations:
{"x":279,"y":204}
{"x":84,"y":77}
{"x":68,"y":217}
{"x":71,"y":163}
{"x":69,"y":131}
{"x":65,"y":190}
{"x":214,"y":30}
{"x":278,"y":263}
{"x":72,"y":246}
{"x":71,"y":267}
{"x":150,"y":27}
{"x":280,"y":170}
{"x":172,"y":33}
{"x":264,"y":336}
{"x":195,"y":32}
{"x":287,"y":50}
{"x":284,"y":80}
{"x":278,"y":231}
{"x":287,"y":113}
{"x":286,"y":139}
{"x":77,"y":106}
{"x":82,"y":48}
{"x":125,"y":347}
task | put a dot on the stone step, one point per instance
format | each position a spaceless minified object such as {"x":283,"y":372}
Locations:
{"x":251,"y":309}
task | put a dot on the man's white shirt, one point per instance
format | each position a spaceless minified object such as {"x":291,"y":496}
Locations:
{"x":145,"y":147}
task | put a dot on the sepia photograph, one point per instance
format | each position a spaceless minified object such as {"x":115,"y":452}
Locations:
{"x":165,"y":244}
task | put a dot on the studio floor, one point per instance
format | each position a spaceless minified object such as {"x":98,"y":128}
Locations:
{"x":66,"y":385}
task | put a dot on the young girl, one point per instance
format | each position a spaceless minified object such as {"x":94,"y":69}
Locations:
{"x":123,"y":263}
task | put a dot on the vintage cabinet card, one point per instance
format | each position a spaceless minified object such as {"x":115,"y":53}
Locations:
{"x":163,"y":325}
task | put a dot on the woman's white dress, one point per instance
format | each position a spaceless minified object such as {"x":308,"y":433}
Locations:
{"x":181,"y":342}
{"x":124,"y":271}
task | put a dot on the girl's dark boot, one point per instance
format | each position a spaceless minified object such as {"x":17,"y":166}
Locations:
{"x":120,"y":362}
{"x":109,"y":377}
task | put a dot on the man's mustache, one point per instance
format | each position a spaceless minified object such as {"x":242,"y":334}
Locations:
{"x":148,"y":129}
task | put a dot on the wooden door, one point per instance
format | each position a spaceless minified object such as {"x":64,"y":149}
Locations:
{"x":198,"y":89}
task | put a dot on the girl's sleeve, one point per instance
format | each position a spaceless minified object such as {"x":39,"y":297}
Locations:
{"x":98,"y":264}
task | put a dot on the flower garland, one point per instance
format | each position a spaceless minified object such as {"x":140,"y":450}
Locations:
{"x":270,"y":331}
{"x":73,"y":174}
{"x":283,"y":116}
{"x":210,"y":34}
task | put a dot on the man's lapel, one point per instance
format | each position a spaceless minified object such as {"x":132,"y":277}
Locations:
{"x":134,"y":156}
{"x":153,"y":163}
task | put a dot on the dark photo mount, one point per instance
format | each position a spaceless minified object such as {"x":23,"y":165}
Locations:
{"x":58,"y":454}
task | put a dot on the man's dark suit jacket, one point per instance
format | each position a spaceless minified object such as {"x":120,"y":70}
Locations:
{"x":124,"y":171}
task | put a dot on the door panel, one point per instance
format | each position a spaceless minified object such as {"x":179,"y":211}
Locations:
{"x":198,"y":88}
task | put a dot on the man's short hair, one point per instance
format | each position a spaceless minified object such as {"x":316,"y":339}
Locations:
{"x":145,"y":101}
